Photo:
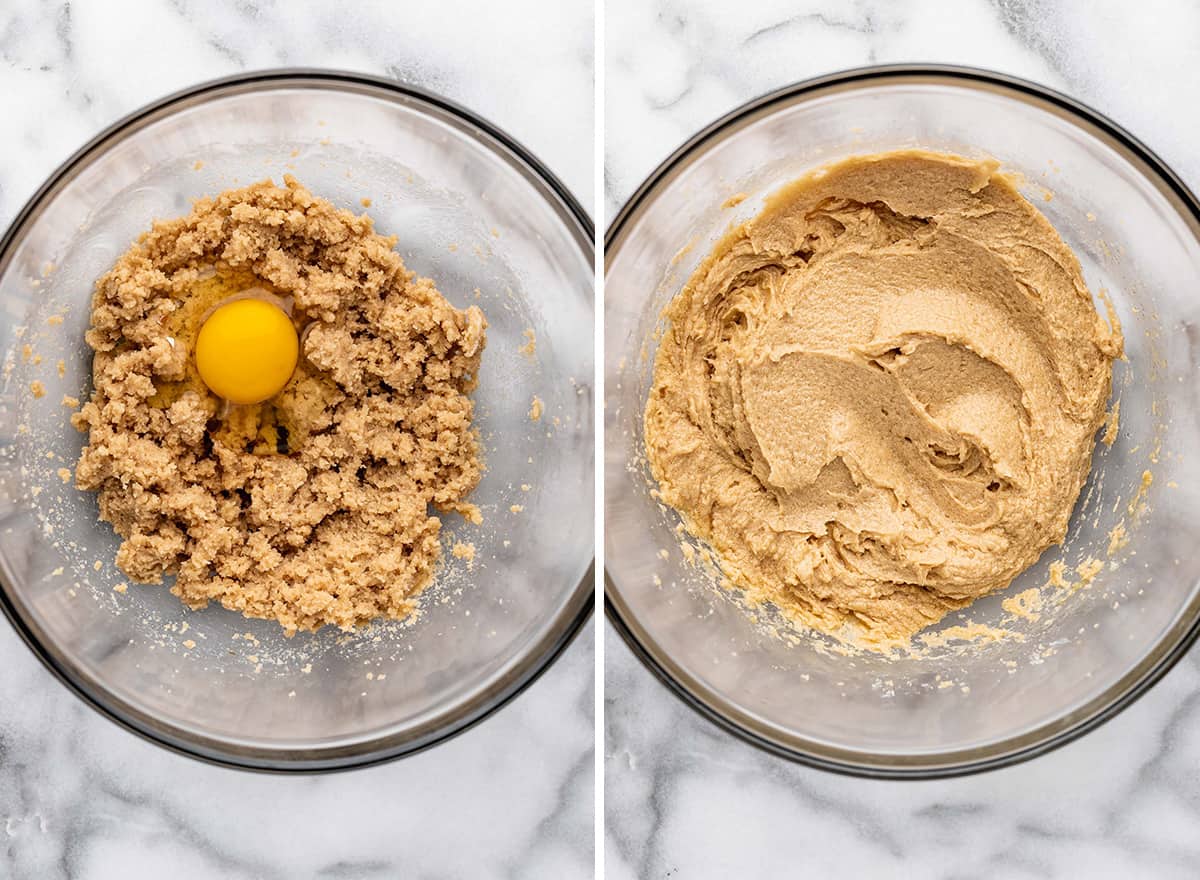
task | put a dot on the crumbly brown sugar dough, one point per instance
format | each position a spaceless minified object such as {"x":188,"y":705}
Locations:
{"x":878,"y":399}
{"x":319,"y":505}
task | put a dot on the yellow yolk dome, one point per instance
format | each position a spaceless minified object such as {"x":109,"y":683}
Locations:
{"x":246,"y":351}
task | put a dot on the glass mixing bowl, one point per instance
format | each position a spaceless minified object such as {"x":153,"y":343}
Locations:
{"x":472,"y":210}
{"x":959,"y":706}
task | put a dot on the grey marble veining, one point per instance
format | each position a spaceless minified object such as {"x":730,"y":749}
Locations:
{"x":80,"y":798}
{"x":684,"y":799}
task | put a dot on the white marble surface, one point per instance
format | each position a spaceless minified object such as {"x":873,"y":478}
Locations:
{"x":80,"y":798}
{"x":685,"y":800}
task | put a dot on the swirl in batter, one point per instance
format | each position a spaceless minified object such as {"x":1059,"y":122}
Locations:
{"x":877,"y":400}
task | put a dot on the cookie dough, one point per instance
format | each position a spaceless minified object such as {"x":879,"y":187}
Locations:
{"x":320,"y":505}
{"x":878,"y":399}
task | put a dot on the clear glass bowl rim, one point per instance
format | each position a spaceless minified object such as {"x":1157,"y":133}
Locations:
{"x":1132,"y":685}
{"x":530,"y":666}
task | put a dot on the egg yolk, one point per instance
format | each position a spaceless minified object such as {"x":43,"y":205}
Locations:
{"x":246,"y":351}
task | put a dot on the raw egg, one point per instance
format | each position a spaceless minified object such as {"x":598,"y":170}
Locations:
{"x":247,"y":350}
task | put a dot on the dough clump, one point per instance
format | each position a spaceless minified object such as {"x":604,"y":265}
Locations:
{"x":318,"y":506}
{"x":878,"y":399}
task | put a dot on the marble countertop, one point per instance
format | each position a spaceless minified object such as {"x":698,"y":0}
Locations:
{"x":80,"y":798}
{"x":686,"y":800}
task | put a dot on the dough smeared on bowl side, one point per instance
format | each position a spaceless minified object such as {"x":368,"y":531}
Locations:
{"x":313,"y":508}
{"x":878,"y":399}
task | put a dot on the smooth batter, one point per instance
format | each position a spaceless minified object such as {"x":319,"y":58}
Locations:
{"x":878,"y":399}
